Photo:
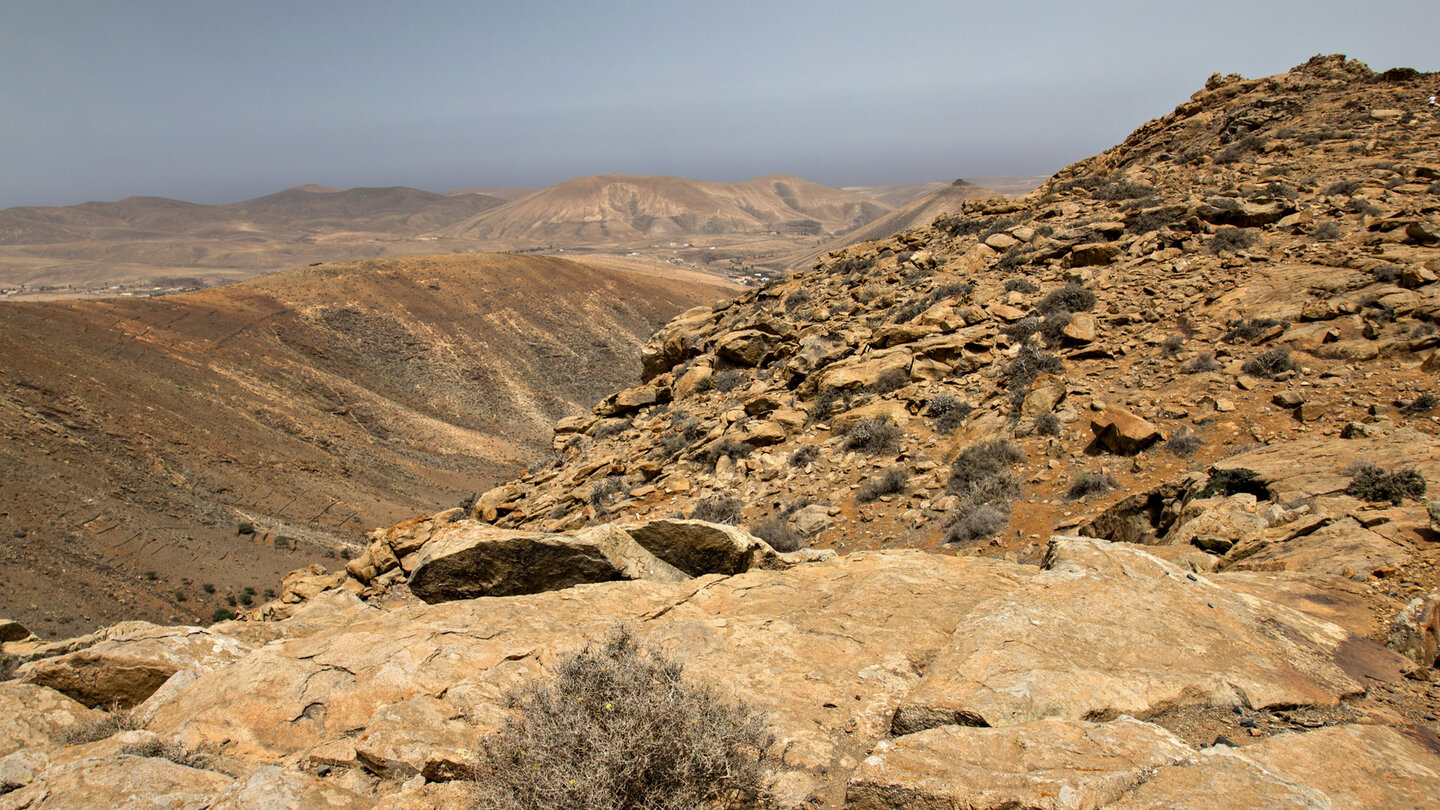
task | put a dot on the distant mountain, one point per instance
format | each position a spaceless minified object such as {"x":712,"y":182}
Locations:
{"x":612,"y":207}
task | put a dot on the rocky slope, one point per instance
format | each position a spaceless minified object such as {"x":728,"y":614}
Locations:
{"x":1095,"y":462}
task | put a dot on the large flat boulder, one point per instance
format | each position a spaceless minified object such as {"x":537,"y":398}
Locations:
{"x":469,"y":559}
{"x":119,"y":783}
{"x":698,"y":547}
{"x":1358,"y":766}
{"x":1220,"y":777}
{"x":829,"y":649}
{"x":33,"y":716}
{"x":1306,"y":468}
{"x":1046,"y":765}
{"x":1109,"y":629}
{"x":127,"y":668}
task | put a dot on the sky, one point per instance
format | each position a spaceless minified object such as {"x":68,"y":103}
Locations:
{"x":212,"y":101}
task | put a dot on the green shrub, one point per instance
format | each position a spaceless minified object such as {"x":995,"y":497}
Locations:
{"x":621,"y":727}
{"x":876,"y":435}
{"x":208,"y":587}
{"x":718,"y":509}
{"x":1376,"y":484}
{"x":245,"y":527}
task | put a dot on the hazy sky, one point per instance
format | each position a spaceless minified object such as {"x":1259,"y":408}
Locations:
{"x":218,"y":101}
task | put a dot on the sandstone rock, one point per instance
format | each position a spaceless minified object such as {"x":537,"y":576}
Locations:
{"x":748,"y":347}
{"x":1309,"y":467}
{"x":1046,"y":392}
{"x":21,"y":767}
{"x":843,"y":637}
{"x":1415,"y":632}
{"x":1108,"y":630}
{"x":1289,"y":398}
{"x":1335,"y":548}
{"x":273,"y":788}
{"x":813,"y":519}
{"x":886,"y":408}
{"x":1121,"y":431}
{"x":126,"y":669}
{"x":1001,"y":242}
{"x":1357,"y":766}
{"x":698,"y":378}
{"x":1081,"y":329}
{"x":1092,"y":255}
{"x":467,"y":559}
{"x":36,"y":716}
{"x":122,"y":782}
{"x":1005,"y":312}
{"x":402,"y":737}
{"x":1048,"y":764}
{"x":487,"y":508}
{"x":11,"y":630}
{"x":696,"y":547}
{"x":1221,"y":777}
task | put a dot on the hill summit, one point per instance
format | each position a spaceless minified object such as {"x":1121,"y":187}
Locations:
{"x":1112,"y":496}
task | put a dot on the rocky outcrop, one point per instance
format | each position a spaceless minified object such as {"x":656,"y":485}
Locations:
{"x":1078,"y":663}
{"x":34,"y":716}
{"x":126,"y":669}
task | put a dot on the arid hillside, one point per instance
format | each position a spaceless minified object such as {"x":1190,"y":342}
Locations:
{"x":140,"y":435}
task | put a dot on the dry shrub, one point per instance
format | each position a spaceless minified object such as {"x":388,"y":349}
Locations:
{"x":174,"y":751}
{"x":874,"y":435}
{"x":103,"y":727}
{"x":718,"y":509}
{"x":1375,"y":483}
{"x":621,"y":727}
{"x":892,"y":481}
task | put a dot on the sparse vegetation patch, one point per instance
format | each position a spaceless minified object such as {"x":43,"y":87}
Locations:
{"x":619,"y":727}
{"x":1374,"y":483}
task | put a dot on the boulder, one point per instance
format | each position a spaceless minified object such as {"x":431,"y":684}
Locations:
{"x":697,"y":547}
{"x":1107,"y":630}
{"x":1221,"y":777}
{"x":1092,"y":255}
{"x":1415,"y":632}
{"x":1121,"y":431}
{"x":1047,"y":764}
{"x":128,"y":668}
{"x":698,"y":378}
{"x":747,"y":347}
{"x":1046,"y":392}
{"x":121,"y":782}
{"x":402,"y":737}
{"x":1081,"y":329}
{"x":890,"y":409}
{"x":11,"y":630}
{"x":270,"y":787}
{"x":1357,"y":766}
{"x":467,"y":559}
{"x":631,"y":400}
{"x":36,"y":716}
{"x":845,"y":638}
{"x":1340,"y":547}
